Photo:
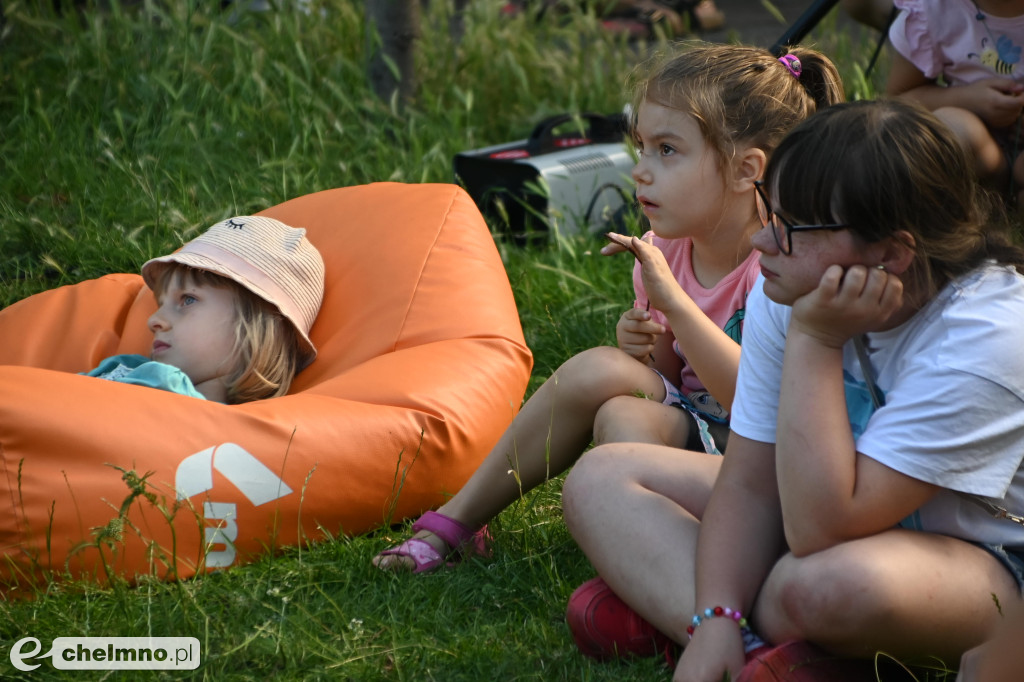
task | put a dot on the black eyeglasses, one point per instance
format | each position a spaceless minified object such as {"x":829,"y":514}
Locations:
{"x":784,"y":233}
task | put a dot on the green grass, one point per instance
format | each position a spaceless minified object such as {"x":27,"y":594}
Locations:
{"x":125,"y":132}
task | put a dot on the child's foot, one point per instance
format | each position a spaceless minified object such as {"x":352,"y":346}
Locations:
{"x":605,"y":627}
{"x":410,"y":555}
{"x":437,"y":537}
{"x":704,"y":15}
{"x":807,"y":663}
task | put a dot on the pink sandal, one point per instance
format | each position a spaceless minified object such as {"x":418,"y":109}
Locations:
{"x":459,"y":537}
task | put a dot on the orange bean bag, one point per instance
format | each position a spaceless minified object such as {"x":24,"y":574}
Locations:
{"x":422,"y":365}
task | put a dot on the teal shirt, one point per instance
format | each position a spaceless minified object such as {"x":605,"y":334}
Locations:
{"x":141,"y":371}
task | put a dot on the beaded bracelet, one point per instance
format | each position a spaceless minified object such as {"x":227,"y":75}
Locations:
{"x":718,"y":611}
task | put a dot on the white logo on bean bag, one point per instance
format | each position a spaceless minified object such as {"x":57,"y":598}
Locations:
{"x":258,"y":483}
{"x":248,"y":474}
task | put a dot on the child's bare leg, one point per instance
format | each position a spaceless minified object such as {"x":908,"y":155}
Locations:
{"x":628,"y":419}
{"x":623,"y":499}
{"x":910,"y":594}
{"x":1000,"y":658}
{"x":990,"y":163}
{"x":551,"y":431}
{"x":1018,"y":182}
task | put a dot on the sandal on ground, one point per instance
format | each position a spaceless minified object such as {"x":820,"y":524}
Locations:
{"x":459,"y":537}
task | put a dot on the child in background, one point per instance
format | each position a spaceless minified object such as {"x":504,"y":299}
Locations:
{"x":235,"y":306}
{"x":706,"y":121}
{"x":974,"y":48}
{"x":876,"y":464}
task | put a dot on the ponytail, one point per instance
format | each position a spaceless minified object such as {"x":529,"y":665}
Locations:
{"x":818,"y":76}
{"x":740,"y":95}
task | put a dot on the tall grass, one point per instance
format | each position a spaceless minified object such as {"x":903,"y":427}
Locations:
{"x":124,"y":132}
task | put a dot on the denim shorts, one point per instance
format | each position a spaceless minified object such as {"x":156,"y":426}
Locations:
{"x":1013,"y":560}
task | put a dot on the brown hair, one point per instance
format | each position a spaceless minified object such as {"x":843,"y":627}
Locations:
{"x":740,"y":94}
{"x":266,"y":354}
{"x":889,"y":166}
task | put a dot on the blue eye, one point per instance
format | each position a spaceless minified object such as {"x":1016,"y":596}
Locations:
{"x":188,"y":299}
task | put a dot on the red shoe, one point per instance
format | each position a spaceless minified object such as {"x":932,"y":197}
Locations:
{"x":604,"y":627}
{"x":804,"y":662}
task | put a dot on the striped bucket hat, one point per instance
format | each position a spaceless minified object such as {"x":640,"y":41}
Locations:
{"x":273,"y":260}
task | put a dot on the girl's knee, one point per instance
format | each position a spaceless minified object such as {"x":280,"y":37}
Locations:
{"x":601,"y":370}
{"x":589,"y":481}
{"x":594,"y":466}
{"x":803,"y":597}
{"x":976,"y":140}
{"x":641,"y":419}
{"x":578,"y":491}
{"x":619,"y":405}
{"x":962,"y":122}
{"x":611,"y":416}
{"x":592,"y":359}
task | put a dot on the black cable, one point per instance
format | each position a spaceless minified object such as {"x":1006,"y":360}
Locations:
{"x":626,"y":198}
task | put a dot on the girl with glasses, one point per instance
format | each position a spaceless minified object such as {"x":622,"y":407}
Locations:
{"x":867,"y":499}
{"x":705,"y":122}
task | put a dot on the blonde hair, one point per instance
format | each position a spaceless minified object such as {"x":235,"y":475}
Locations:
{"x":266,"y":355}
{"x":739,"y":95}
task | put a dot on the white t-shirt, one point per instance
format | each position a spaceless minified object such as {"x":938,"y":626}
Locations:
{"x":952,"y":378}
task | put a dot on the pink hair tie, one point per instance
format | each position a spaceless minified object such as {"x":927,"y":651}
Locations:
{"x":792,"y":63}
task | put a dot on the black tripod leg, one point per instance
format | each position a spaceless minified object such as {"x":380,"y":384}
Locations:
{"x":802,"y":26}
